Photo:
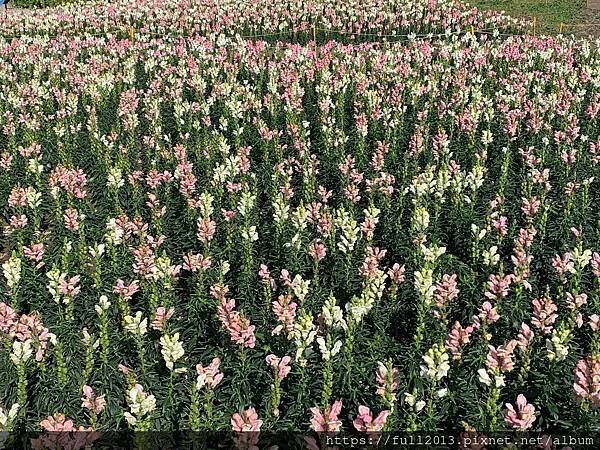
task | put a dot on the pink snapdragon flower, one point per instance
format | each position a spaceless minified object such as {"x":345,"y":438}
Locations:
{"x":525,"y":337}
{"x":35,"y":253}
{"x":71,"y":219}
{"x":209,"y":376}
{"x":396,"y":273}
{"x":285,"y":312}
{"x":564,"y":265}
{"x":144,"y":262}
{"x":370,"y":265}
{"x":126,"y":291}
{"x":62,"y":434}
{"x":265,"y":276}
{"x":523,"y":416}
{"x":365,"y":421}
{"x":73,"y":181}
{"x":162,"y":315}
{"x":445,"y":291}
{"x":30,"y":326}
{"x":238,"y":326}
{"x":8,"y":318}
{"x":368,"y":227}
{"x":246,"y":421}
{"x":59,"y":423}
{"x":387,"y":383}
{"x":530,"y":207}
{"x":487,"y":314}
{"x":280,"y":366}
{"x":317,"y":251}
{"x":501,"y":225}
{"x":458,"y":338}
{"x":247,"y":424}
{"x":576,"y":301}
{"x":498,"y":286}
{"x":69,"y":288}
{"x":206,"y":229}
{"x":91,"y":402}
{"x":16,"y":223}
{"x":326,"y":421}
{"x":195,"y":262}
{"x":544,"y":314}
{"x":595,"y":263}
{"x":587,"y":380}
{"x":501,"y":358}
{"x":18,"y":197}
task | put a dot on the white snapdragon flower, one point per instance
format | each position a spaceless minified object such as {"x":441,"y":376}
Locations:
{"x":114,"y":234}
{"x":281,"y":210}
{"x":328,"y":351}
{"x":304,"y":335}
{"x":34,"y":198}
{"x":420,"y":219}
{"x":349,"y":231}
{"x":12,"y":271}
{"x":7,"y":417}
{"x":424,"y":284}
{"x":250,"y":234}
{"x":172,"y":349}
{"x":300,"y":287}
{"x":436,"y":363}
{"x":491,"y":257}
{"x":115,"y":178}
{"x":21,"y":352}
{"x":246,"y":203}
{"x":205,"y":204}
{"x":581,"y":259}
{"x":411,"y":401}
{"x":103,"y":305}
{"x":557,"y":347}
{"x":54,"y":278}
{"x":332,"y":314}
{"x":141,"y":404}
{"x":137,"y":325}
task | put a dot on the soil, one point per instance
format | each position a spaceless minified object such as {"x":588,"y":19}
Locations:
{"x":588,"y":23}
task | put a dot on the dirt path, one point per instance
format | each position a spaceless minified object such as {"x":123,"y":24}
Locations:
{"x":593,"y":4}
{"x":589,"y":20}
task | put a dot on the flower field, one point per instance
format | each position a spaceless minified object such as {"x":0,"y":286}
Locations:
{"x":289,"y":216}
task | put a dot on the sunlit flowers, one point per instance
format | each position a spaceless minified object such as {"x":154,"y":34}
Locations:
{"x":21,"y":352}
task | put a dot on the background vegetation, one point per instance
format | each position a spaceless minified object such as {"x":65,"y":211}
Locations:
{"x":549,"y":13}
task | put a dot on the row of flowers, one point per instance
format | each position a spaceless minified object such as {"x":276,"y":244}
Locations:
{"x":292,"y":19}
